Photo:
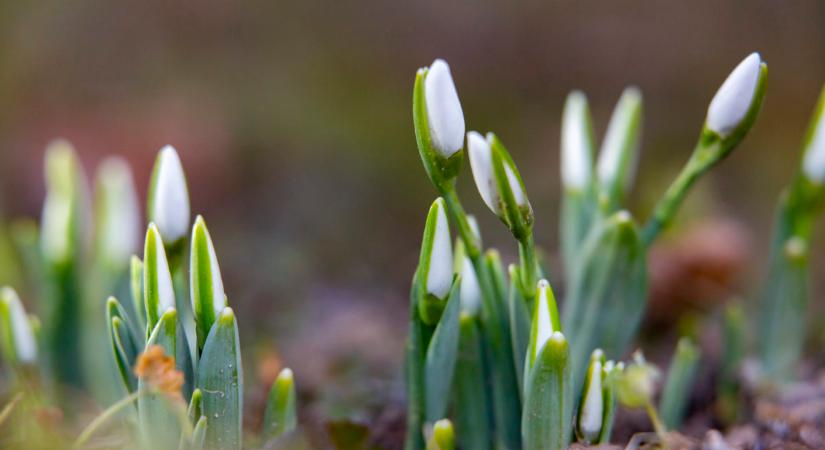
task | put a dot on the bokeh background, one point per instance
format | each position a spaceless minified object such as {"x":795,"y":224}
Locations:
{"x":293,"y":121}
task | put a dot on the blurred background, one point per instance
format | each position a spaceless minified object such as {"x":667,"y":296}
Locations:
{"x":293,"y":121}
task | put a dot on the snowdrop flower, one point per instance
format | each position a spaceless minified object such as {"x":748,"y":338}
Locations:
{"x":576,"y":143}
{"x":157,"y":279}
{"x":732,"y":101}
{"x":61,"y":209}
{"x":591,"y":414}
{"x":440,"y":257}
{"x":470,"y":289}
{"x":24,"y":341}
{"x":205,"y":282}
{"x":444,"y":114}
{"x":481,"y":162}
{"x":813,"y":163}
{"x":547,"y":319}
{"x":168,"y":196}
{"x":118,"y":215}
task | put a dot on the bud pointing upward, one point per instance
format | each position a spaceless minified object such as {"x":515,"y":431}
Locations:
{"x":446,"y":119}
{"x":206,"y":284}
{"x":734,"y":98}
{"x":168,"y":196}
{"x":159,"y":293}
{"x":576,"y":143}
{"x":440,"y":260}
{"x":23,"y":344}
{"x":813,"y":164}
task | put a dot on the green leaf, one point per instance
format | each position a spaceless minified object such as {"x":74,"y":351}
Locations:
{"x":545,"y":321}
{"x":605,"y":304}
{"x":125,"y":345}
{"x":473,"y":407}
{"x":520,"y":326}
{"x":440,"y":359}
{"x":414,"y":372}
{"x":548,"y":400}
{"x":159,"y":424}
{"x":590,"y":419}
{"x":220,"y":378}
{"x":199,"y":434}
{"x":679,"y":383}
{"x":620,"y":150}
{"x":195,"y":405}
{"x":280,"y":416}
{"x":206,"y":285}
{"x":158,"y":289}
{"x":136,"y":288}
{"x":610,"y":375}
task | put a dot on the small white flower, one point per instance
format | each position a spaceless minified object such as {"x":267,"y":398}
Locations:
{"x":165,"y":288}
{"x":576,"y":157}
{"x":25,"y":344}
{"x":813,"y":164}
{"x":590,"y":420}
{"x":613,"y":156}
{"x":218,"y":294}
{"x":544,"y":328}
{"x":444,"y":114}
{"x":470,"y":289}
{"x":733,"y":99}
{"x":119,"y":214}
{"x":440,"y":274}
{"x":170,"y":197}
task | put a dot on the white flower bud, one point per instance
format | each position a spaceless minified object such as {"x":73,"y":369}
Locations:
{"x":440,"y":274}
{"x":169,"y":197}
{"x":813,"y":164}
{"x":733,"y":99}
{"x":118,"y":212}
{"x":200,"y":239}
{"x":470,"y":289}
{"x":544,"y":328}
{"x":481,"y":162}
{"x":444,"y":114}
{"x":576,"y":143}
{"x":591,"y":416}
{"x":25,"y":344}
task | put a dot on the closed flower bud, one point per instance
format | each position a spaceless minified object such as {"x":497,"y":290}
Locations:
{"x":118,"y":215}
{"x":168,"y":196}
{"x":23,"y":341}
{"x":444,"y":114}
{"x":734,"y":98}
{"x":813,"y":163}
{"x":576,"y":143}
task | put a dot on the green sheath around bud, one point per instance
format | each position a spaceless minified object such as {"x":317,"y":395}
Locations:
{"x":158,"y":291}
{"x":548,"y":400}
{"x":679,"y":383}
{"x":206,"y":284}
{"x":435,"y":267}
{"x":443,"y":437}
{"x":620,"y":150}
{"x":279,"y":416}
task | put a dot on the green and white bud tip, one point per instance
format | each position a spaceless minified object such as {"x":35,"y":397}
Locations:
{"x":168,"y":196}
{"x":576,"y":143}
{"x":619,"y":152}
{"x":444,"y":114}
{"x":443,"y":436}
{"x":591,"y":414}
{"x":159,"y":292}
{"x":481,"y":161}
{"x":22,"y":336}
{"x":546,"y":321}
{"x":470,"y":291}
{"x":118,"y":214}
{"x":60,"y":207}
{"x":437,"y":251}
{"x":205,"y":282}
{"x":734,"y":98}
{"x":813,"y":162}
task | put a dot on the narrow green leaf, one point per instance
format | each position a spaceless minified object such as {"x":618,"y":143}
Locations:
{"x":620,"y":150}
{"x":414,"y":372}
{"x":440,"y":359}
{"x":548,"y":400}
{"x":136,"y":288}
{"x":589,"y":422}
{"x":280,"y":416}
{"x":125,"y":345}
{"x":199,"y":434}
{"x":195,"y":410}
{"x":220,"y":378}
{"x":610,"y":376}
{"x":158,"y":289}
{"x":206,"y":285}
{"x":473,"y":412}
{"x":520,"y":326}
{"x":679,"y":383}
{"x":545,"y":321}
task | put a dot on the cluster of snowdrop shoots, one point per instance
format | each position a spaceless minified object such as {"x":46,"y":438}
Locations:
{"x":520,"y":373}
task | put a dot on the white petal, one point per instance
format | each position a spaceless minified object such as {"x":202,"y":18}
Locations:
{"x":515,"y":186}
{"x":440,"y":275}
{"x":25,"y":344}
{"x":590,"y":422}
{"x":545,"y":325}
{"x":120,"y":215}
{"x":733,"y":99}
{"x":444,"y":112}
{"x":481,"y":162}
{"x":576,"y":158}
{"x":813,"y":163}
{"x":470,"y":289}
{"x":166,"y":290}
{"x":170,"y":206}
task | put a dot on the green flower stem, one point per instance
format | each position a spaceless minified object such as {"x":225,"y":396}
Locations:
{"x":495,"y":330}
{"x":6,"y":411}
{"x":667,"y":207}
{"x":529,"y":271}
{"x":658,"y":425}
